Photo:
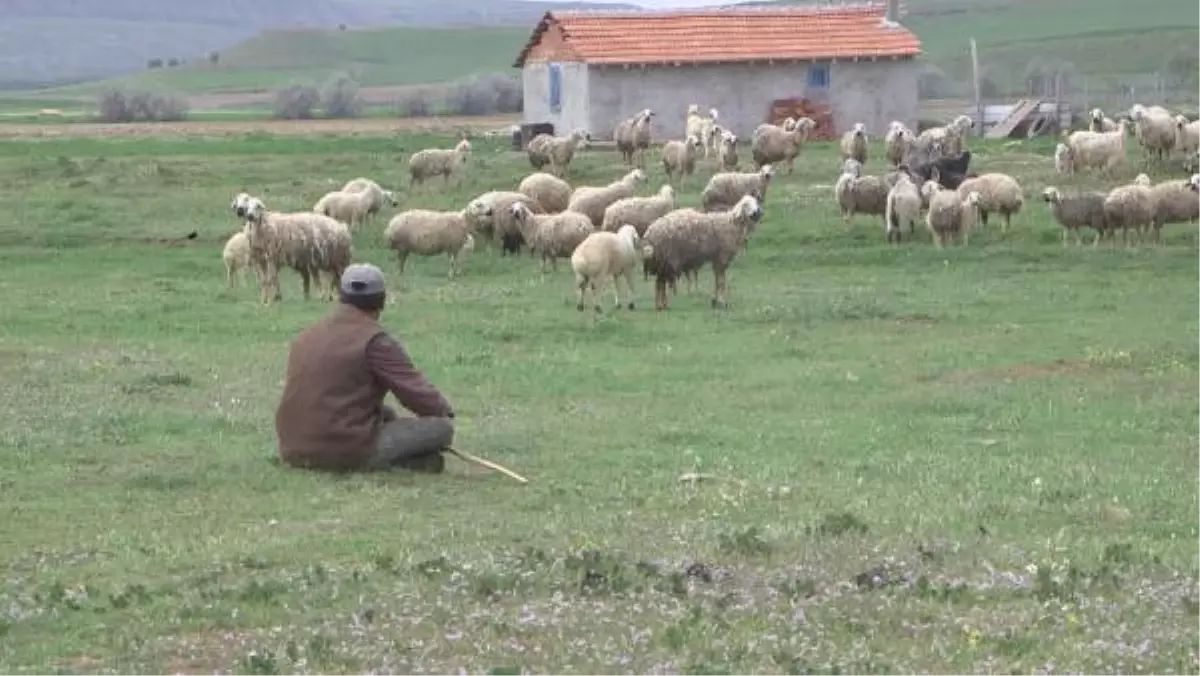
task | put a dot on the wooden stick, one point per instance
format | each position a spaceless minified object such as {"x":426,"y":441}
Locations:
{"x":486,"y":463}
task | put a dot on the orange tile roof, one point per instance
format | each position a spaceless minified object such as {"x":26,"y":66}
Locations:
{"x":728,"y":35}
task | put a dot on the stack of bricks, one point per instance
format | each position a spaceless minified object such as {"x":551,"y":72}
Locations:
{"x":797,"y":108}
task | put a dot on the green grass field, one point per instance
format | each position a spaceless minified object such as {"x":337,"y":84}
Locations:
{"x":979,"y":459}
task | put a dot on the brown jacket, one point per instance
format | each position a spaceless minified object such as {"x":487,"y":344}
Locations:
{"x":338,"y":373}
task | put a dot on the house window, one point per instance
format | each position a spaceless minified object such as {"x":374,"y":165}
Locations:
{"x":818,"y":75}
{"x":555,"y":72}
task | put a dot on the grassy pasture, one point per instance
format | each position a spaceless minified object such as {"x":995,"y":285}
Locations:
{"x":968,"y":460}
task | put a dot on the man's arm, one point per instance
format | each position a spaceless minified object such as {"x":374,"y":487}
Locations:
{"x":391,"y":365}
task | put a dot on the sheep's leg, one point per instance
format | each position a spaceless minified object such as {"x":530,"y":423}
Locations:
{"x":597,"y":288}
{"x":581,"y":285}
{"x":718,"y":286}
{"x":1007,"y":222}
{"x":229,"y":276}
{"x":937,"y":239}
{"x":629,"y":288}
{"x":306,"y":280}
{"x":1064,"y":237}
{"x":660,"y":293}
{"x":451,"y":257}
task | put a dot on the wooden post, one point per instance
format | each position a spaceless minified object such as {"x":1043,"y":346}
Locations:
{"x":975,"y":77}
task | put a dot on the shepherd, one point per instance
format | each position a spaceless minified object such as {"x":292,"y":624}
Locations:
{"x":332,"y":416}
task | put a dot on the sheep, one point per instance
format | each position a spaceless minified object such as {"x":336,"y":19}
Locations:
{"x":561,"y":150}
{"x":686,"y":239}
{"x":553,"y":236}
{"x":237,"y":257}
{"x":726,"y":188}
{"x":499,"y":225}
{"x":858,"y":194}
{"x":788,"y":124}
{"x":1080,"y":210}
{"x":1104,"y":150}
{"x":702,"y":127}
{"x":1064,"y":161}
{"x":1155,"y":130}
{"x":431,"y":162}
{"x":1175,"y":201}
{"x":633,"y":137}
{"x":604,"y":255}
{"x":538,"y":150}
{"x":903,"y":205}
{"x":727,"y":152}
{"x":897,"y":143}
{"x":592,"y":201}
{"x":429,"y":233}
{"x":639,"y":212}
{"x":854,"y":143}
{"x":550,"y":192}
{"x":776,"y":145}
{"x":997,"y":192}
{"x":239,"y":203}
{"x":957,"y":129}
{"x":679,"y":157}
{"x":306,"y":242}
{"x":1187,"y":135}
{"x":1129,"y":207}
{"x":379,"y":196}
{"x":949,"y":214}
{"x":350,"y":208}
{"x":1098,"y":121}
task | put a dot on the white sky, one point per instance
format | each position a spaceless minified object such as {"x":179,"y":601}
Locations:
{"x":672,"y":4}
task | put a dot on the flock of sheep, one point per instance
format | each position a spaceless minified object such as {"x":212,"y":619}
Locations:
{"x":605,"y":231}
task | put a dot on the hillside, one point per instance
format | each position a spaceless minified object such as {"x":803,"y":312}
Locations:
{"x":47,"y":41}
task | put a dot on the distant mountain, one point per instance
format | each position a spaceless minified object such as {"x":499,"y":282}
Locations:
{"x":49,"y":41}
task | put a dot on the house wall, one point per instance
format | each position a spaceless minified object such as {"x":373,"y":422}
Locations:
{"x":874,"y":93}
{"x":535,"y":84}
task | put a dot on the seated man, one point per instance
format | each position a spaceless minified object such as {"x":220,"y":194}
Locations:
{"x":332,"y":416}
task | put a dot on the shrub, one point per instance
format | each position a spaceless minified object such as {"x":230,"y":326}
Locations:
{"x":172,"y":62}
{"x":296,"y":101}
{"x":417,"y":102}
{"x":339,"y":97}
{"x":154,"y":63}
{"x":118,"y":105}
{"x":484,"y":95}
{"x":214,"y":57}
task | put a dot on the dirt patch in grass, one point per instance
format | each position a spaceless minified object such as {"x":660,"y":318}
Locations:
{"x":1015,"y":371}
{"x":359,"y":127}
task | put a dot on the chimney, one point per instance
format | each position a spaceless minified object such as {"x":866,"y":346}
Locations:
{"x":893,"y":11}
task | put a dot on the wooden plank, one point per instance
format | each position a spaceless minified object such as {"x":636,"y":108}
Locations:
{"x":1023,"y":109}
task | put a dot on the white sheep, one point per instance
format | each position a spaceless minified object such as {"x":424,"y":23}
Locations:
{"x":999,"y":193}
{"x":431,"y":162}
{"x":553,"y":236}
{"x":679,"y":157}
{"x":426,"y":232}
{"x":903,"y":205}
{"x":351,"y":208}
{"x":727,"y":157}
{"x":550,"y":192}
{"x":788,"y":124}
{"x":728,"y":187}
{"x":639,"y":212}
{"x":1187,"y":135}
{"x":897,"y":143}
{"x":957,"y":132}
{"x":1175,"y":201}
{"x":1103,"y":150}
{"x":1076,"y":211}
{"x":1154,"y":128}
{"x":561,"y":150}
{"x":854,"y":143}
{"x":633,"y":137}
{"x":379,"y":196}
{"x":1098,"y":121}
{"x":775,"y":145}
{"x":686,"y":239}
{"x":607,"y":255}
{"x":1130,"y":207}
{"x":949,"y":214}
{"x":858,"y":194}
{"x":237,"y":258}
{"x":702,"y":127}
{"x":306,"y":242}
{"x":593,"y":200}
{"x":1064,"y":161}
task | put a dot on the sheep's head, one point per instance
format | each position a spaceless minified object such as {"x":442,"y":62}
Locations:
{"x":1142,"y":180}
{"x":1194,"y":182}
{"x":1097,"y":115}
{"x":748,"y":209}
{"x":636,"y":176}
{"x":767,"y":171}
{"x":936,"y":148}
{"x":390,"y":198}
{"x":972,"y":199}
{"x":693,"y":109}
{"x":1136,"y":112}
{"x":788,"y":124}
{"x":805,"y":124}
{"x":859,"y":130}
{"x":714,"y":113}
{"x":645,"y":115}
{"x":463,"y":148}
{"x":239,"y":204}
{"x":582,"y":137}
{"x":851,"y":167}
{"x":1051,"y":195}
{"x":1180,"y":121}
{"x":479,"y":209}
{"x":519,"y":211}
{"x":962,"y":123}
{"x":468,"y":246}
{"x":929,"y":189}
{"x":666,"y":192}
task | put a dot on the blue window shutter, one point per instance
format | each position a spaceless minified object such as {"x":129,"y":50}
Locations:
{"x":818,"y":75}
{"x":555,"y":86}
